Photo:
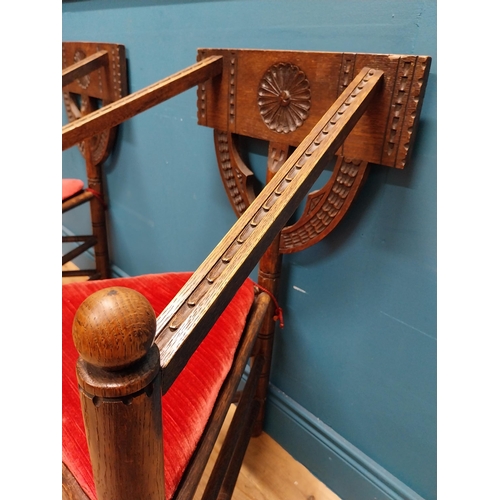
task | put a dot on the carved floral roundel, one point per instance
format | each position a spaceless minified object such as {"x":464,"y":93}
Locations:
{"x":284,"y":97}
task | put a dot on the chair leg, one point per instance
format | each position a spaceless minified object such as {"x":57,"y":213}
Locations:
{"x":99,"y":230}
{"x":97,"y":213}
{"x":269,"y":279}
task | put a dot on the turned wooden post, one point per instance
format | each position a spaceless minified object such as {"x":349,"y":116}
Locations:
{"x":120,"y":390}
{"x":269,"y":279}
{"x":97,"y":213}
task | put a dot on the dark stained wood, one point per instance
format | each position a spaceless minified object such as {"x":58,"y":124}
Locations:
{"x":120,"y":391}
{"x":243,"y":438}
{"x":142,"y":100}
{"x":238,"y":102}
{"x":237,"y":178}
{"x":190,"y":315}
{"x":83,"y":67}
{"x":71,"y":490}
{"x":194,"y":471}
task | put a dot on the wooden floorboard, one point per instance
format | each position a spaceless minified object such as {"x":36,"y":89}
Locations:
{"x":268,"y":471}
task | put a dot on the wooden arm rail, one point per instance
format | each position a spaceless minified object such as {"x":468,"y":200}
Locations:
{"x":191,"y":314}
{"x":83,"y":67}
{"x":113,"y":114}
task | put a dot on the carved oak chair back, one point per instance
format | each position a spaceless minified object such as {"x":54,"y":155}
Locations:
{"x":309,"y":106}
{"x":94,"y":75}
{"x":278,"y":97}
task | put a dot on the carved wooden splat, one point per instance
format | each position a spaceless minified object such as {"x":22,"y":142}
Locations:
{"x":233,"y":102}
{"x":107,"y":83}
{"x":278,"y":96}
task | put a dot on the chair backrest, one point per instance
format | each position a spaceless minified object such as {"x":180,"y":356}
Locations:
{"x":94,"y":75}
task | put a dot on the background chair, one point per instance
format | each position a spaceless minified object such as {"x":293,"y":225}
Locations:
{"x":143,"y":339}
{"x":94,"y":75}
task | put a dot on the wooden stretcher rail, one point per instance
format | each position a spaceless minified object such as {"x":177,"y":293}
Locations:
{"x":194,"y":472}
{"x":117,"y":112}
{"x":193,"y":311}
{"x":84,"y":67}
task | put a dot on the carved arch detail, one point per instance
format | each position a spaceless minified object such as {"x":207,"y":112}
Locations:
{"x":324,"y":208}
{"x":236,"y":176}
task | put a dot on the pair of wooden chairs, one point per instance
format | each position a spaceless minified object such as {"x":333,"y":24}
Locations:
{"x":159,"y":358}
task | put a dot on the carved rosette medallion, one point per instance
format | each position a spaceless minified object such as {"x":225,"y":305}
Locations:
{"x":84,"y":81}
{"x":284,"y":97}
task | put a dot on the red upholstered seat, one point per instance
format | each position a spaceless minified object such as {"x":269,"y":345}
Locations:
{"x":70,"y":187}
{"x":186,"y":405}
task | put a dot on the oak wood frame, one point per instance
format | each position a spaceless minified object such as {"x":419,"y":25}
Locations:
{"x":257,"y":234}
{"x":92,"y":72}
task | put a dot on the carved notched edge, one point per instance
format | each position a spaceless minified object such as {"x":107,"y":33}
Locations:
{"x":236,"y":177}
{"x":326,"y":207}
{"x":102,"y":143}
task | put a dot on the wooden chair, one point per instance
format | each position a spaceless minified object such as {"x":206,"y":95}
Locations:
{"x":94,"y":75}
{"x":133,"y":351}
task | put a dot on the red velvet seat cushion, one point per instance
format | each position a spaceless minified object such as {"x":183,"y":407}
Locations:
{"x":186,"y":405}
{"x":70,"y":187}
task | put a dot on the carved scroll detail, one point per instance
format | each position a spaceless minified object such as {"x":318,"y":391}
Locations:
{"x":280,"y":184}
{"x":236,"y":176}
{"x":284,"y":97}
{"x":326,"y":207}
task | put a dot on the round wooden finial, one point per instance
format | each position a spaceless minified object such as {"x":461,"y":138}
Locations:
{"x":114,"y":327}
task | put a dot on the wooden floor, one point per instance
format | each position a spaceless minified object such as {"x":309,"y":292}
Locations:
{"x":268,"y":471}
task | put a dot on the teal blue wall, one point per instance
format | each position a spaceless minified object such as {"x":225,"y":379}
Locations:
{"x":356,"y":360}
